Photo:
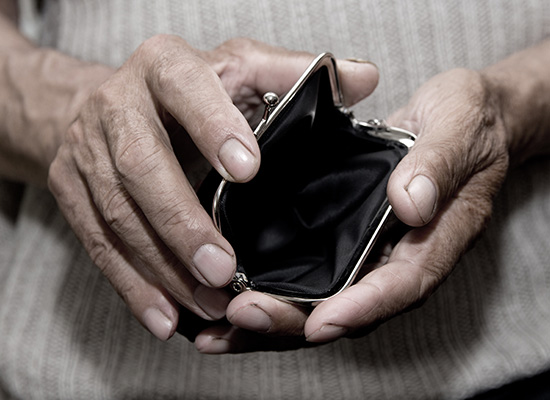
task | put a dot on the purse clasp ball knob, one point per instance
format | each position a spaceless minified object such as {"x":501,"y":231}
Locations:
{"x":270,"y":100}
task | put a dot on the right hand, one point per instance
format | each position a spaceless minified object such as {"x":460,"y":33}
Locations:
{"x":118,"y":181}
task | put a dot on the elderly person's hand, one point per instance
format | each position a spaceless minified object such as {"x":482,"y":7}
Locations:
{"x":121,"y":148}
{"x":469,"y":124}
{"x":118,"y":175}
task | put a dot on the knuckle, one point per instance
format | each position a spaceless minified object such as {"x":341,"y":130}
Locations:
{"x":166,"y":71}
{"x":178,"y":216}
{"x":106,"y":99}
{"x":57,"y":175}
{"x":75,"y":133}
{"x":137,"y":156}
{"x":114,"y":105}
{"x":102,"y":251}
{"x":125,"y":288}
{"x":157,"y":43}
{"x":104,"y":254}
{"x":239,"y":44}
{"x":61,"y":174}
{"x":232,"y":63}
{"x":173,"y":64}
{"x":133,"y":139}
{"x":107,"y":109}
{"x":153,"y":48}
{"x":170,"y":72}
{"x":118,"y":210}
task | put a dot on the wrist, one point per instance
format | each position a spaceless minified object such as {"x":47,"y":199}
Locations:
{"x":520,"y":92}
{"x":44,"y":90}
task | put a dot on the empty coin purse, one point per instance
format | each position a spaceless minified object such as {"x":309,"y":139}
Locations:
{"x":304,"y":225}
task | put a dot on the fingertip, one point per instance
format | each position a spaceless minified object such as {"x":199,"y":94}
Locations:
{"x":356,"y":307}
{"x":221,"y":339}
{"x":359,"y":79}
{"x":209,"y":344}
{"x":251,"y":317}
{"x":161,"y":323}
{"x":327,"y":333}
{"x":213,"y":265}
{"x":414,"y":203}
{"x":240,"y":163}
{"x":414,"y":197}
{"x":262,"y":313}
{"x":422,"y":193}
{"x":212,"y":301}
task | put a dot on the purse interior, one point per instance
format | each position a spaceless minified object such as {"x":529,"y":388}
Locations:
{"x":300,"y":226}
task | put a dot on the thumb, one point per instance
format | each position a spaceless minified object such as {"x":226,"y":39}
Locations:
{"x":438,"y":166}
{"x":263,"y":68}
{"x":459,"y":135}
{"x":358,"y":78}
{"x":415,"y":187}
{"x":427,"y":175}
{"x":441,"y":161}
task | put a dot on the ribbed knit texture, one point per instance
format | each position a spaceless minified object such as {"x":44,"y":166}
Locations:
{"x":65,"y":334}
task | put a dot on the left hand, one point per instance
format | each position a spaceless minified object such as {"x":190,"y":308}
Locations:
{"x":444,"y":188}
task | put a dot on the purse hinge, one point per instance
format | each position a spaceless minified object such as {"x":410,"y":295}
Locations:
{"x":240,"y":283}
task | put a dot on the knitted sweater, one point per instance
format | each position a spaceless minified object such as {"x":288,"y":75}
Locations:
{"x":65,"y":334}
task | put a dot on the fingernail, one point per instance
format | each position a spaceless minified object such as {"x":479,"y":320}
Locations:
{"x":253,"y":318}
{"x":214,"y":264}
{"x":237,"y":160}
{"x":423,"y":194}
{"x":361,"y":61}
{"x":212,"y":301}
{"x":213,"y":345}
{"x":327,"y":333}
{"x":158,"y":324}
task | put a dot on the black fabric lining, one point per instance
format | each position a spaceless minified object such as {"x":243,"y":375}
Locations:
{"x":299,"y":227}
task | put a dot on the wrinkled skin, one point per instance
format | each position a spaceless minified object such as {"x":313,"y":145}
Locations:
{"x":111,"y":141}
{"x":117,"y":179}
{"x":444,"y":187}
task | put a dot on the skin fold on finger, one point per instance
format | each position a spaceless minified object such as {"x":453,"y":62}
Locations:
{"x":258,"y":312}
{"x":417,"y":266}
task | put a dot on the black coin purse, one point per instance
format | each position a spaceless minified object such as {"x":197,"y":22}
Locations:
{"x":303,"y":227}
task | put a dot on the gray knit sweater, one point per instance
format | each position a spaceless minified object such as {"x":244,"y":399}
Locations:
{"x":65,"y":334}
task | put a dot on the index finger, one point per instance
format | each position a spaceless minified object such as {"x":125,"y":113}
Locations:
{"x":170,"y":76}
{"x":185,"y":85}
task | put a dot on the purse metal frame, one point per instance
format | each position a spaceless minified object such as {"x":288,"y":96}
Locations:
{"x":374,"y":127}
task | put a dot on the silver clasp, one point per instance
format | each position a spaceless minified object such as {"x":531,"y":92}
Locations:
{"x":270,"y":100}
{"x":379,"y":128}
{"x":240,"y":282}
